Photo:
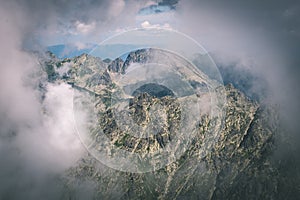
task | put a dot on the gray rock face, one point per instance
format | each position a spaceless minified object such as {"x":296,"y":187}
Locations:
{"x":117,"y":65}
{"x":237,"y":166}
{"x":139,"y":56}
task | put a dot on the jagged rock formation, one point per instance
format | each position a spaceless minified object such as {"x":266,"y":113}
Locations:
{"x":139,"y":56}
{"x":117,"y":65}
{"x":237,"y":166}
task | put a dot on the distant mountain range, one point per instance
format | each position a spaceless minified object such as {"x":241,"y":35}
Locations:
{"x":68,"y":51}
{"x":63,"y":51}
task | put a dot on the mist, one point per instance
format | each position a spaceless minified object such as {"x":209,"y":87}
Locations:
{"x":255,"y":45}
{"x":38,"y":141}
{"x":251,"y":45}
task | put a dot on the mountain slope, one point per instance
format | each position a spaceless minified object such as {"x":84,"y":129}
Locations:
{"x":237,"y":166}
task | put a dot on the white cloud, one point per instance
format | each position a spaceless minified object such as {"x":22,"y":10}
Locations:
{"x":150,"y":3}
{"x":81,"y":45}
{"x":147,"y":24}
{"x":84,"y":28}
{"x":60,"y":123}
{"x":37,"y":138}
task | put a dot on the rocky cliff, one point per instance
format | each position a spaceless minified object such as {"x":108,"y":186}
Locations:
{"x":238,"y":164}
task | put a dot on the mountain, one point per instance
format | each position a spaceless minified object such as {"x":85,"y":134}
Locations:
{"x":237,"y":166}
{"x":109,"y":51}
{"x":69,"y":51}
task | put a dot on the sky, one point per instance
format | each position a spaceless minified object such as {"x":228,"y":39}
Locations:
{"x":258,"y":41}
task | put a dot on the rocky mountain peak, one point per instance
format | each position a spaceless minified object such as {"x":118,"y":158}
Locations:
{"x":236,"y":166}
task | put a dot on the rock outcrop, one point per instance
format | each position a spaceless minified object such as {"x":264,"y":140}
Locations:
{"x":237,"y":166}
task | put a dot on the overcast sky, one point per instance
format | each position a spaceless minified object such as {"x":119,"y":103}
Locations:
{"x":257,"y":37}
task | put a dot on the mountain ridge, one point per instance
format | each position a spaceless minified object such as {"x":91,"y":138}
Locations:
{"x":239,"y":155}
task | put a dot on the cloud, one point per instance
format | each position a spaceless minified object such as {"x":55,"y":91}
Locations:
{"x":37,"y":137}
{"x":150,"y":3}
{"x":84,"y":28}
{"x":249,"y":37}
{"x":147,"y":24}
{"x":255,"y":45}
{"x":116,"y":7}
{"x":83,"y":20}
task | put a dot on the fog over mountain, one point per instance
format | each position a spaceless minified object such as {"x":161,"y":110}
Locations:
{"x":254,"y":44}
